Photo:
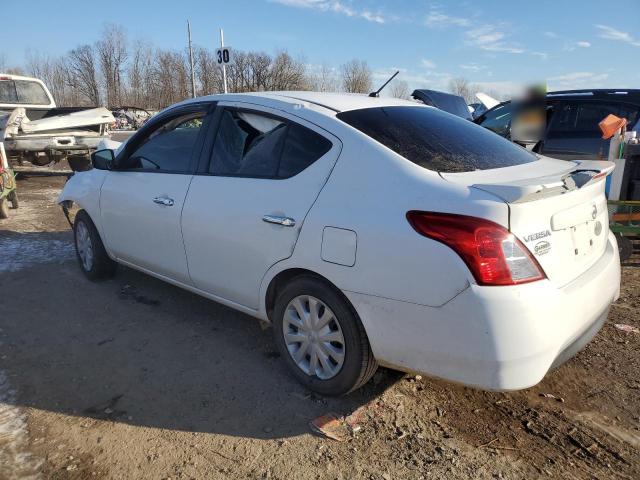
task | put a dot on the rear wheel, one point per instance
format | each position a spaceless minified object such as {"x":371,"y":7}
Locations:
{"x":321,"y":338}
{"x":92,"y":256}
{"x":625,"y":247}
{"x":4,"y":208}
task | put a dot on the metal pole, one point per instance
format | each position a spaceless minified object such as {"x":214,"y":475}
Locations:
{"x":224,"y":68}
{"x":193,"y":78}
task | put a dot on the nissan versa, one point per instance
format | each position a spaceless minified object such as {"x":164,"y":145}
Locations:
{"x":368,"y":231}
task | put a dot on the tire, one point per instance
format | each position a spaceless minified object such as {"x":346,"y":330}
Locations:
{"x":90,"y":252}
{"x":4,"y":208}
{"x":625,"y":247}
{"x":79,"y":163}
{"x":13,"y":198}
{"x":357,"y":365}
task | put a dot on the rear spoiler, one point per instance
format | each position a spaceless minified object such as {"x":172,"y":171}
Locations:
{"x":587,"y":173}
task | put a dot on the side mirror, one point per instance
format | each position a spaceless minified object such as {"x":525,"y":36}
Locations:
{"x":103,"y":159}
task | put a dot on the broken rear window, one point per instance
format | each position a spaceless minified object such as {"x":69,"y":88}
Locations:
{"x":436,"y":140}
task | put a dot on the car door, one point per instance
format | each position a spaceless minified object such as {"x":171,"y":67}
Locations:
{"x":244,"y":211}
{"x":498,"y":119}
{"x":142,"y":198}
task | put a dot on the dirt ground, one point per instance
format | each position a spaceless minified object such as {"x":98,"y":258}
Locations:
{"x":134,"y":378}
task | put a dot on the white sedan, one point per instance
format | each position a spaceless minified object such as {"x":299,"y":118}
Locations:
{"x":368,"y":231}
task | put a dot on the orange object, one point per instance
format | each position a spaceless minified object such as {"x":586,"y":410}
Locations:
{"x":611,"y":125}
{"x":330,"y":426}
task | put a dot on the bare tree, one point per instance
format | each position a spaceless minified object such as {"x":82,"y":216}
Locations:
{"x":139,"y":76}
{"x":112,"y":54}
{"x":461,"y":86}
{"x":356,"y":76}
{"x":399,"y":89}
{"x":83,"y":75}
{"x":208,"y":74}
{"x":324,"y":80}
{"x":3,"y":62}
{"x":170,"y":79}
{"x":287,"y":73}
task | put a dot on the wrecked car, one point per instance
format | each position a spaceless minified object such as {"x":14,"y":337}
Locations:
{"x":35,"y":130}
{"x":367,"y":230}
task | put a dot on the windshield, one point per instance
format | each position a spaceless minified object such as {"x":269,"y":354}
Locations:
{"x":436,"y":140}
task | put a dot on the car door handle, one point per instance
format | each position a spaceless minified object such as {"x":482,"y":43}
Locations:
{"x":284,"y":221}
{"x":166,"y":201}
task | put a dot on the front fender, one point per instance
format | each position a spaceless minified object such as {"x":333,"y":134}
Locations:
{"x":83,"y":189}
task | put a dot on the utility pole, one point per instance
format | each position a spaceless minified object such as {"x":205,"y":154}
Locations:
{"x":193,"y":78}
{"x":224,"y":68}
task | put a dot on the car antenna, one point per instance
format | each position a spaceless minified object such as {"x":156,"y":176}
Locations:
{"x":377,"y":93}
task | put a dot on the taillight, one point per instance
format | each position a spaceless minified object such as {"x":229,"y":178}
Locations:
{"x":492,"y":253}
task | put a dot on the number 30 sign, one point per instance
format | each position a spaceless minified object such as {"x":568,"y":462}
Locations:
{"x":224,"y":56}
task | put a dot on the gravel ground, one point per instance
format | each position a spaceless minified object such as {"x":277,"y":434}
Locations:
{"x":134,"y":378}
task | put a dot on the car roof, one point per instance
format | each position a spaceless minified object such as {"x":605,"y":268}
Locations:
{"x":8,"y":76}
{"x":626,"y":95}
{"x":327,"y":102}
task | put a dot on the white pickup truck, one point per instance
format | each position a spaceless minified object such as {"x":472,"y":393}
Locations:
{"x":35,"y":130}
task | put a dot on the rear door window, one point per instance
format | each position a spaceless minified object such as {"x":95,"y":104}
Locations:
{"x":252,"y":144}
{"x":436,"y":140}
{"x":301,"y":148}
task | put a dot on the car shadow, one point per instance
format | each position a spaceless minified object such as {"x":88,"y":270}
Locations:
{"x":134,"y":349}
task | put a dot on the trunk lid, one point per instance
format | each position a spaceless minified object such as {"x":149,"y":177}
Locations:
{"x":558,"y":209}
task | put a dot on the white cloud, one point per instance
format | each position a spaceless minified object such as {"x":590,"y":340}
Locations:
{"x":487,"y":37}
{"x":372,"y":17}
{"x":472,"y":67}
{"x":500,"y":89}
{"x":550,"y":34}
{"x":570,"y":47}
{"x":429,"y":79}
{"x":611,"y":33}
{"x":334,"y":6}
{"x":428,"y":64}
{"x":542,"y":55}
{"x":577,"y":80}
{"x":436,"y":18}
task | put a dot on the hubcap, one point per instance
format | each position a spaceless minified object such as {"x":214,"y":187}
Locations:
{"x":84,"y":246}
{"x":313,"y":337}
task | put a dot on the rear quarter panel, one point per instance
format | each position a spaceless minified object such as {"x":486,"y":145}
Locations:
{"x":369,"y":192}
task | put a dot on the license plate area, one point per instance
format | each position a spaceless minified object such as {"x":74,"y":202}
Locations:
{"x":582,"y":237}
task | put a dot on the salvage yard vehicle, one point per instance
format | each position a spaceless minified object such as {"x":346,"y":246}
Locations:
{"x":35,"y":130}
{"x":368,"y":231}
{"x":572,"y":131}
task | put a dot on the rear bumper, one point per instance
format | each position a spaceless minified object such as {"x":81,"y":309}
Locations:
{"x":497,"y":338}
{"x":57,"y":142}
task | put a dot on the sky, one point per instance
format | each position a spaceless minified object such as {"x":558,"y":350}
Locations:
{"x":496,"y":44}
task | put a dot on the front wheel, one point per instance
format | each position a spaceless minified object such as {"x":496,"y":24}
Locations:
{"x":4,"y":208}
{"x":92,"y":256}
{"x":321,"y":338}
